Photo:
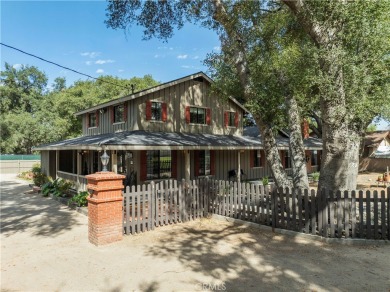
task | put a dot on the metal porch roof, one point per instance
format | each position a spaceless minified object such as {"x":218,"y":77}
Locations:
{"x":144,"y":140}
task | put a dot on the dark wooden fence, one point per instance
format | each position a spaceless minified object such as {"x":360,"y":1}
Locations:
{"x":350,"y":214}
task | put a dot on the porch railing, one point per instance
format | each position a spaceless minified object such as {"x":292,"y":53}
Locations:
{"x":79,"y":181}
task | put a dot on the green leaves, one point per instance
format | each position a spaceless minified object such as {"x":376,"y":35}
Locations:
{"x":33,"y":115}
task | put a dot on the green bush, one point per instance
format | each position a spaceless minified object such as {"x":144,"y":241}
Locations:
{"x":39,"y":178}
{"x":79,"y":200}
{"x":315,"y":176}
{"x":265,"y":181}
{"x":58,"y":187}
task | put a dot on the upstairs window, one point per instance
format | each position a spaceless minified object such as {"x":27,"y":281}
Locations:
{"x":92,"y":120}
{"x":231,"y":119}
{"x":198,"y":115}
{"x":156,"y":111}
{"x":118,"y":113}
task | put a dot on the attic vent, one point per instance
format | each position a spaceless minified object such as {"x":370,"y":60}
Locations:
{"x":199,"y":79}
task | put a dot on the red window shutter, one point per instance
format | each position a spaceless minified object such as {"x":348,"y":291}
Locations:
{"x":188,"y":115}
{"x":282,"y":158}
{"x":236,"y":119}
{"x":87,"y":120}
{"x":174,"y":164}
{"x":143,"y":166}
{"x":208,"y":116}
{"x":263,"y":158}
{"x":212,"y":162}
{"x":148,"y":110}
{"x":226,"y":119}
{"x":252,"y":158}
{"x":112,"y":114}
{"x":125,"y":112}
{"x":164,"y":112}
{"x":196,"y":163}
{"x":97,"y":118}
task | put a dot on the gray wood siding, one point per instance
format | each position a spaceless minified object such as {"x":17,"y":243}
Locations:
{"x":177,"y":98}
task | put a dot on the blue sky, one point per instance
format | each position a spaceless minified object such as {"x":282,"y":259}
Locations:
{"x":73,"y":34}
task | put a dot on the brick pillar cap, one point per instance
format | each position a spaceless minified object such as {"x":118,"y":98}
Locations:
{"x":105,"y":175}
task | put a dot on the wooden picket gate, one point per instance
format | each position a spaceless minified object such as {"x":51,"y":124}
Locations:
{"x":148,"y":206}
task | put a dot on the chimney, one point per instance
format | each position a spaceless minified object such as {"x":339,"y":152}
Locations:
{"x":305,"y":129}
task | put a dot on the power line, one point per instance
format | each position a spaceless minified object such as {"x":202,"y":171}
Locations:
{"x":42,"y":59}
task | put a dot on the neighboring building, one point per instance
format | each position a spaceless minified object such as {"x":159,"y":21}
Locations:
{"x":176,"y":130}
{"x":377,"y":144}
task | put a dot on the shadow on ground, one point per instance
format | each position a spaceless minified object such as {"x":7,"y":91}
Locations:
{"x":22,"y":209}
{"x":241,"y":258}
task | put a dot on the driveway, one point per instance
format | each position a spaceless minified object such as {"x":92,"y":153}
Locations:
{"x":44,"y":247}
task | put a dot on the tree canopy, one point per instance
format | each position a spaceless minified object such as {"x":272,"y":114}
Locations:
{"x":33,"y":114}
{"x":332,"y":57}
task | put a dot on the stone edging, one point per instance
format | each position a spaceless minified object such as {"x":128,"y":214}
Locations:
{"x":348,"y":241}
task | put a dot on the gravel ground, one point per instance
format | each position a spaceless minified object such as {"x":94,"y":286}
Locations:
{"x":44,"y":247}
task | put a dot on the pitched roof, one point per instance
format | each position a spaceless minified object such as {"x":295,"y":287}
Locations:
{"x":373,"y":139}
{"x":138,"y":94}
{"x":282,"y":138}
{"x":144,"y":140}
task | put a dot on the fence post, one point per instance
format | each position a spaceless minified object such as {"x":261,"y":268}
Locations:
{"x":388,"y":213}
{"x":274,"y":194}
{"x":105,"y":214}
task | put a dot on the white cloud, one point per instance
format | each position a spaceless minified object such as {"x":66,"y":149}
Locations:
{"x":88,"y":63}
{"x":182,"y":56}
{"x":17,"y":66}
{"x":156,"y":56}
{"x":101,"y":62}
{"x":186,"y":67}
{"x":100,"y":71}
{"x":217,"y":48}
{"x":195,"y":58}
{"x":90,"y":54}
{"x":121,"y":70}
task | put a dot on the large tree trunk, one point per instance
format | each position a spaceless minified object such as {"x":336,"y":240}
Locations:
{"x":339,"y":165}
{"x":242,"y":70}
{"x":272,"y":155}
{"x":297,"y":150}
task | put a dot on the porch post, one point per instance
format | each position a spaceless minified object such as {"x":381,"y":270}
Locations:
{"x":187,"y":165}
{"x":78,"y":170}
{"x":114,"y":161}
{"x":57,"y":159}
{"x":105,"y":214}
{"x":239,"y":166}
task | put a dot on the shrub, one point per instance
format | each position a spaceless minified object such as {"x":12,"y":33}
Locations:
{"x":39,"y":178}
{"x":61,"y":187}
{"x":315,"y":176}
{"x":79,"y":200}
{"x":265,"y":181}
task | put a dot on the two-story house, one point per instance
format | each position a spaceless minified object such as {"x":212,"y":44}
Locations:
{"x":174,"y":130}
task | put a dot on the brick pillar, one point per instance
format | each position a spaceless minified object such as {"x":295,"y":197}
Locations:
{"x":105,"y":218}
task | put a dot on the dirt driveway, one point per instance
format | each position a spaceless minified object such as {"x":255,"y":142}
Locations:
{"x":44,"y":247}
